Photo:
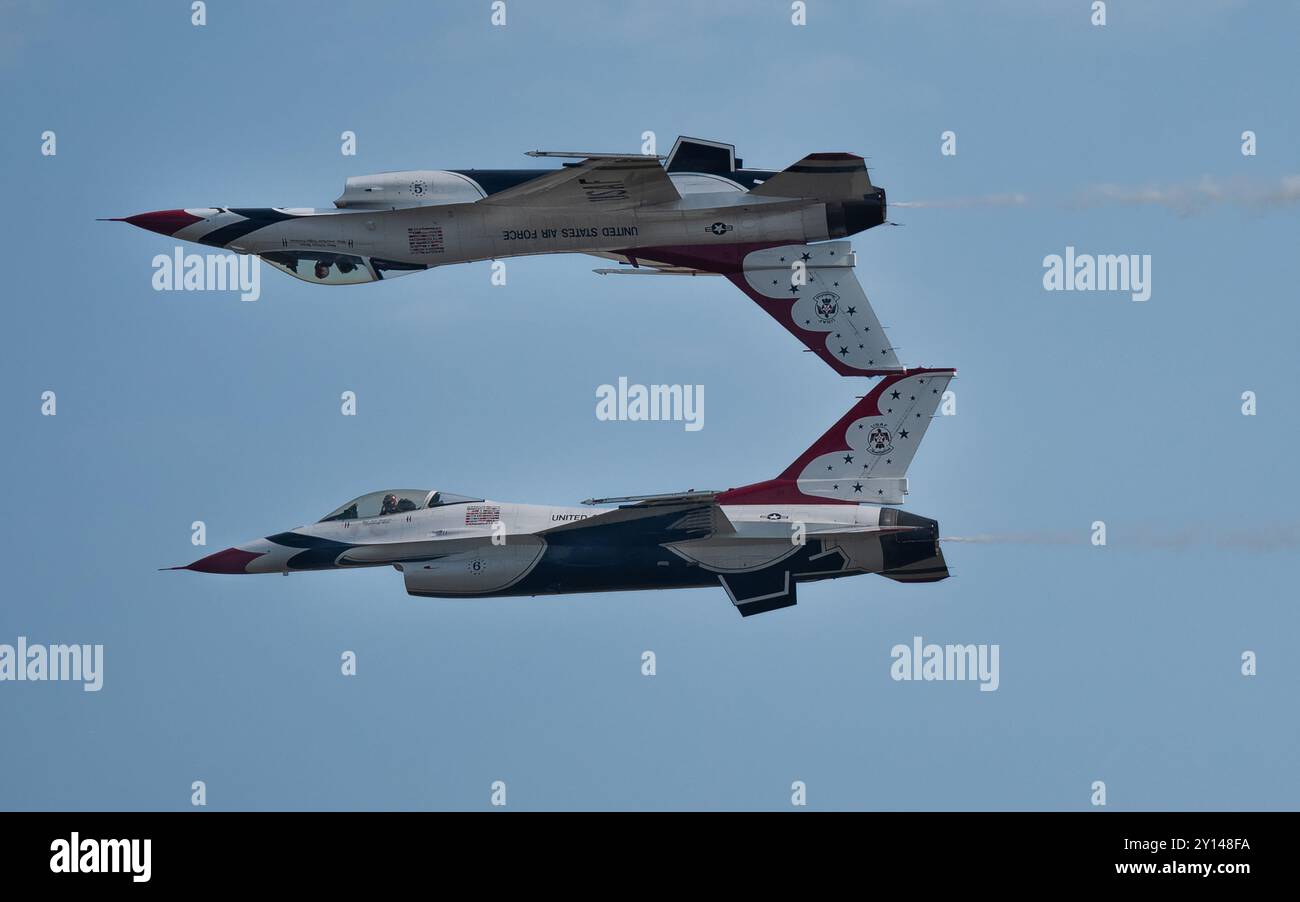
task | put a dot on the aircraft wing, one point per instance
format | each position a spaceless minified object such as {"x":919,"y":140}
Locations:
{"x":608,"y":183}
{"x":820,"y":302}
{"x":679,"y":516}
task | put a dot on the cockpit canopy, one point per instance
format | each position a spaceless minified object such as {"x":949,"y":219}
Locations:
{"x":393,"y":501}
{"x":329,"y":268}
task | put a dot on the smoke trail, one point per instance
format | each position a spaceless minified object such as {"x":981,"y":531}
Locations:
{"x":1186,"y":199}
{"x":1262,"y":540}
{"x":987,"y":200}
{"x":1021,"y":538}
{"x":1194,"y":198}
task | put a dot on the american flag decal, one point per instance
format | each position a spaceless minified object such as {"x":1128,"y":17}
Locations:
{"x":425,"y":240}
{"x":482,"y":514}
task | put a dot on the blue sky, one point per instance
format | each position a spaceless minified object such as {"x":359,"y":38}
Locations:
{"x":1119,"y":664}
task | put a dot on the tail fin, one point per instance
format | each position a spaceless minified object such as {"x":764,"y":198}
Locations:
{"x":864,"y":457}
{"x":825,"y":176}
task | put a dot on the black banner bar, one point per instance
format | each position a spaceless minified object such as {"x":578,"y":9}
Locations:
{"x":211,"y":849}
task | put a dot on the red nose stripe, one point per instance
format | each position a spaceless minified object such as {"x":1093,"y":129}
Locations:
{"x":232,"y":560}
{"x":164,"y":222}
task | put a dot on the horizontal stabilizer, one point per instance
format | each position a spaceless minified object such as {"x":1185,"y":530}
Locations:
{"x":760,"y":591}
{"x":821,"y":176}
{"x":927,"y":570}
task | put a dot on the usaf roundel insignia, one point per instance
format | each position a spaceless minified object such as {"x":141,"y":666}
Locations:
{"x":879,"y":441}
{"x":826,"y":305}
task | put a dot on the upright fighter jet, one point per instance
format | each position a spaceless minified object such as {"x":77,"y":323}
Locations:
{"x":825,"y":516}
{"x":700,"y":212}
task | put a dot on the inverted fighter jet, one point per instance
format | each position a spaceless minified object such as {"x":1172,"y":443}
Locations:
{"x":699,"y":213}
{"x":827,"y":515}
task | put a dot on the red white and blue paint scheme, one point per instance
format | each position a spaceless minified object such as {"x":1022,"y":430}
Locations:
{"x":697,"y":212}
{"x":827,"y":515}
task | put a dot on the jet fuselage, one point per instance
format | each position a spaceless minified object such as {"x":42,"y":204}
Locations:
{"x":346,"y":243}
{"x":757,"y":541}
{"x":488,"y":548}
{"x":400,"y":222}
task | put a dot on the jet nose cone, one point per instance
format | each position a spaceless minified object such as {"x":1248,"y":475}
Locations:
{"x":164,"y":222}
{"x":232,"y":560}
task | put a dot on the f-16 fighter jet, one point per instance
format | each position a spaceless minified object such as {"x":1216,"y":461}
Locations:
{"x":700,"y":213}
{"x":825,"y":516}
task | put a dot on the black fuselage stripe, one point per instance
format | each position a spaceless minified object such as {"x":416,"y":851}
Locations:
{"x":257,"y":218}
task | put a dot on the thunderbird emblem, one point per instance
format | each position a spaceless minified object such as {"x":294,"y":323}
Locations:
{"x":879,"y":441}
{"x":826,"y":305}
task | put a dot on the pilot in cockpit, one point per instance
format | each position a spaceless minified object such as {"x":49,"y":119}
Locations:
{"x":394,"y":505}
